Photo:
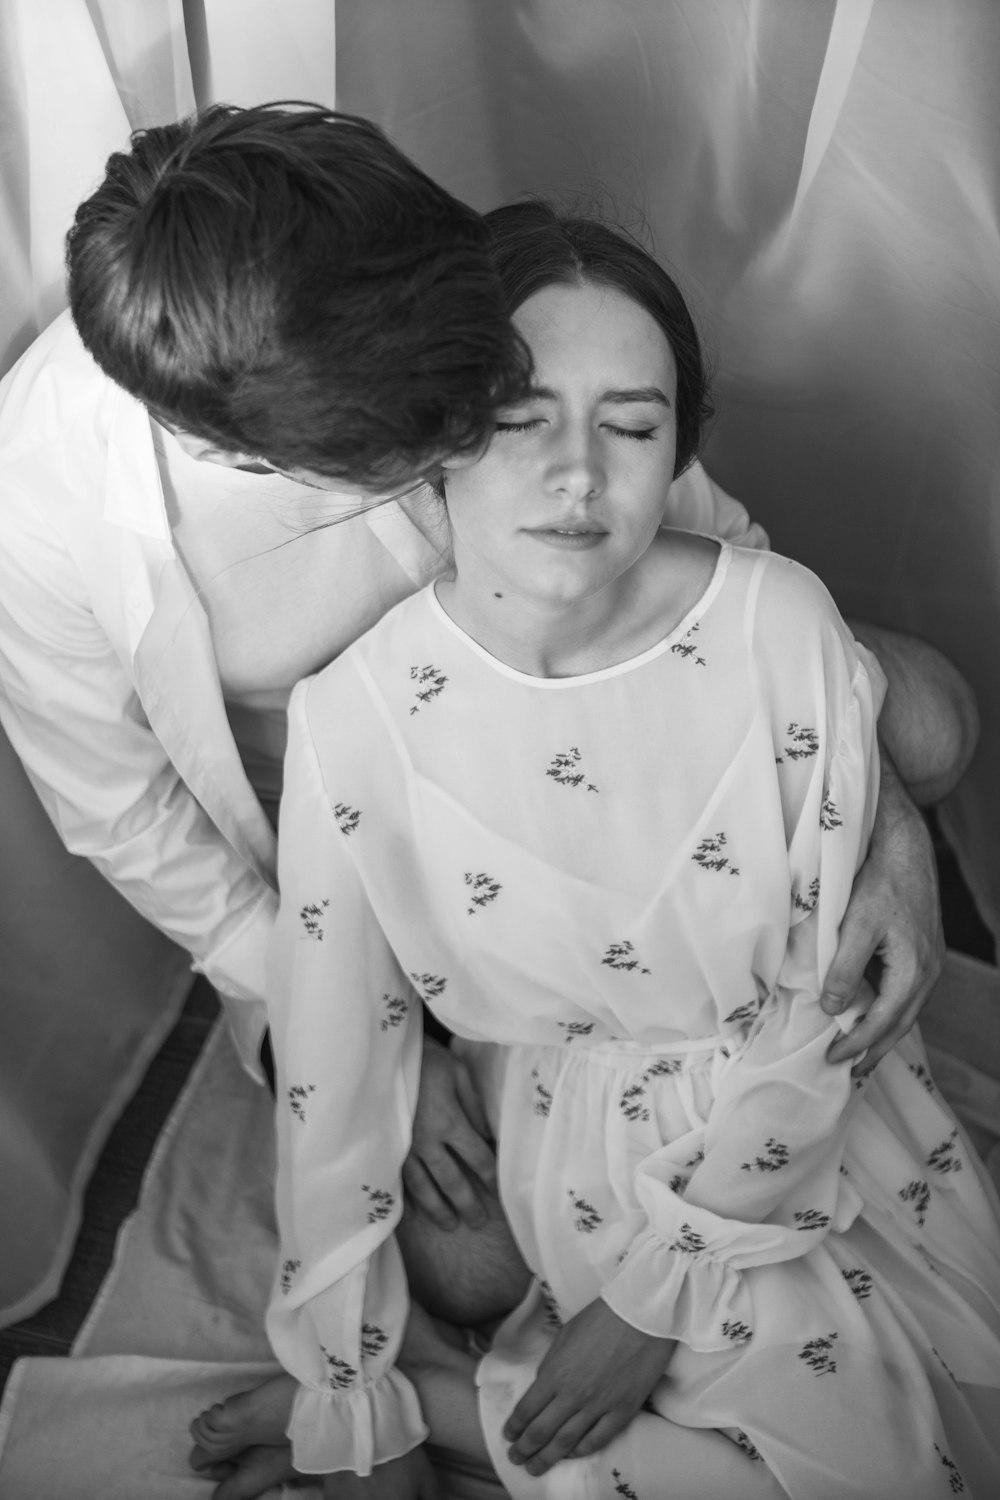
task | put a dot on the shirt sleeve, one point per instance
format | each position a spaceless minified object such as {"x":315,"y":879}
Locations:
{"x":769,"y":1186}
{"x":346,"y":1031}
{"x":697,"y":503}
{"x":70,"y":709}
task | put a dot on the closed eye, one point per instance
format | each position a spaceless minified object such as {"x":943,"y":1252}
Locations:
{"x":517,"y":426}
{"x":639,"y":434}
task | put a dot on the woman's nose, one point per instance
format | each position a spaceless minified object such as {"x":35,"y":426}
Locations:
{"x":575,"y":465}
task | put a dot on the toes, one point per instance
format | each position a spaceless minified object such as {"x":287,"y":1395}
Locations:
{"x":249,"y":1419}
{"x":256,"y":1471}
{"x":208,"y":1465}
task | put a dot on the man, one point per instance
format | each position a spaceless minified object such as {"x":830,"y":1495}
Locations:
{"x":211,"y":485}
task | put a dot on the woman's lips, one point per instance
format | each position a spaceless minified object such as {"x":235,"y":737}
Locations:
{"x":573,"y":538}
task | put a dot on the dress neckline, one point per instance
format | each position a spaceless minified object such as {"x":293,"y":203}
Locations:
{"x":631,"y":663}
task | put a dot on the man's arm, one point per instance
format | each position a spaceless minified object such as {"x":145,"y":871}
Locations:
{"x":929,"y":723}
{"x":891,"y":936}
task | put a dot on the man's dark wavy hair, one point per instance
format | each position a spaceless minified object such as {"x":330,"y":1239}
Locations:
{"x":536,"y":246}
{"x":282,"y":281}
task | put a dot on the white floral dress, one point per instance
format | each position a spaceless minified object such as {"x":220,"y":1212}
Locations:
{"x":631,"y":881}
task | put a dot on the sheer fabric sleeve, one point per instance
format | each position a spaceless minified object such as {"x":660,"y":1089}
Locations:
{"x":347,"y":1037}
{"x":769,"y":1187}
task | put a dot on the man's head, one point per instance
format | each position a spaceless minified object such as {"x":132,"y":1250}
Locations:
{"x":282,"y":282}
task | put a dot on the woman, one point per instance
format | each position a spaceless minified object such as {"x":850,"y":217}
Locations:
{"x":748,"y":1275}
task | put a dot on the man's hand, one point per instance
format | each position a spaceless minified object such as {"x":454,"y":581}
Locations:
{"x":589,"y":1386}
{"x":451,"y":1161}
{"x":408,"y":1478}
{"x":892,"y":928}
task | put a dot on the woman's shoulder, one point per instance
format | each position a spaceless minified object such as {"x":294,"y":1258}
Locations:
{"x":388,"y":646}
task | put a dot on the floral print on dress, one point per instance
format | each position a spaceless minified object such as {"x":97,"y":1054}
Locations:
{"x":946,"y":1158}
{"x":818,"y":1355}
{"x":484,"y":890}
{"x":565,"y":769}
{"x":918,"y":1195}
{"x":347,"y":817}
{"x":921,"y":1074}
{"x":288,"y":1270}
{"x":622,"y":1486}
{"x":430,"y":682}
{"x":688,"y":1241}
{"x":774,"y":1156}
{"x":737,"y":1331}
{"x":542,"y":1100}
{"x":311,"y":916}
{"x":807,"y":903}
{"x":619,"y":956}
{"x":373,"y":1340}
{"x":687,"y":646}
{"x":804,"y":742}
{"x":396,"y":1008}
{"x":811,"y":1218}
{"x":574,"y":1029}
{"x":380,"y":1203}
{"x":340,"y":1375}
{"x":297,"y":1096}
{"x":744,"y":1444}
{"x":431,"y":986}
{"x":829,"y":815}
{"x":632,"y":1103}
{"x":709,"y":855}
{"x":663,"y":1067}
{"x":745,"y":1012}
{"x":860,"y":1282}
{"x":955,"y":1480}
{"x":587,"y":1218}
{"x":553,"y":1317}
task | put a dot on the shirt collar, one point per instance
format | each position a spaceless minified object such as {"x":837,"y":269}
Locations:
{"x":133,"y":493}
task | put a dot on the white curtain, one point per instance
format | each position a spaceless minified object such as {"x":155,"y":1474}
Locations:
{"x":821,"y":175}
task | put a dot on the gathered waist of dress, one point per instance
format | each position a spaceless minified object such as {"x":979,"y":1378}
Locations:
{"x":682,"y":1052}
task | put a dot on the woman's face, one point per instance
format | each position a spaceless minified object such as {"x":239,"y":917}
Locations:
{"x":571,"y":490}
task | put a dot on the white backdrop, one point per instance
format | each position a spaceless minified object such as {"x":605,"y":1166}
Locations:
{"x":821,"y":175}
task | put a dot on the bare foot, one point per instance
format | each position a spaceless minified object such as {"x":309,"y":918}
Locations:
{"x":251,"y":1419}
{"x":253,"y":1473}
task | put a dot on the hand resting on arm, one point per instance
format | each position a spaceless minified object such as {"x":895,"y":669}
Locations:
{"x":891,"y":938}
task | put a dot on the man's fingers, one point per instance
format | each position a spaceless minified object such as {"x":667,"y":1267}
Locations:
{"x":470,"y":1099}
{"x":534,"y":1401}
{"x":423,"y":1191}
{"x":855,"y":949}
{"x":600,"y":1435}
{"x":561,"y":1444}
{"x":474,"y":1155}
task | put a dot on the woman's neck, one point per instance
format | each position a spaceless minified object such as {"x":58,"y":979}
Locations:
{"x":631,"y":615}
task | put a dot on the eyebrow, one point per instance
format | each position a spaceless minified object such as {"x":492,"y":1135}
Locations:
{"x":650,"y":393}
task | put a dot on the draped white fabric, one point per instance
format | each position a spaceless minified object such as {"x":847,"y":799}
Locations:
{"x":821,"y":176}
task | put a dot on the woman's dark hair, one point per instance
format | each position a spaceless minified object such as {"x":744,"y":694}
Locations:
{"x":535,"y":246}
{"x":283,"y":281}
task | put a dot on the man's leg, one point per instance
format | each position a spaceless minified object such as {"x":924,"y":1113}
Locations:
{"x":467,"y":1277}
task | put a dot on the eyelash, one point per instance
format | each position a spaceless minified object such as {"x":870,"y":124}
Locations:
{"x":638,"y":435}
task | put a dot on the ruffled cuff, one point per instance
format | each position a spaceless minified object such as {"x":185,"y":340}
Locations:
{"x":681,"y":1293}
{"x":355,"y":1429}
